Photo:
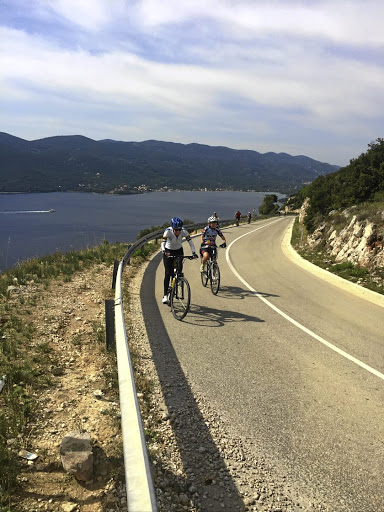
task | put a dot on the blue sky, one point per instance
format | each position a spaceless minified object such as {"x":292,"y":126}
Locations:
{"x":302,"y":77}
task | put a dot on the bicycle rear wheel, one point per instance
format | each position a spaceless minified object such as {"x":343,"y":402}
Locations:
{"x":180,"y":298}
{"x":215,"y":278}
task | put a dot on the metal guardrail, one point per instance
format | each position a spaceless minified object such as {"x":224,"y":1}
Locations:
{"x":141,"y":495}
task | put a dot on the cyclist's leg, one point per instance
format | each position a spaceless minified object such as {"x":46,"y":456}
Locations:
{"x":169,"y":271}
{"x":169,"y":265}
{"x":179,"y":252}
{"x":205,"y":257}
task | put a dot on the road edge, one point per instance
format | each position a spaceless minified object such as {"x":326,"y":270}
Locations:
{"x":355,"y":289}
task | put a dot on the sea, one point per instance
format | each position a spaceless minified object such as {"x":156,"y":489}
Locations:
{"x":34,"y":225}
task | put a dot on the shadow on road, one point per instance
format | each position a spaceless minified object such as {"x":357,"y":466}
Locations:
{"x":212,"y":317}
{"x":237,"y":293}
{"x":205,"y":471}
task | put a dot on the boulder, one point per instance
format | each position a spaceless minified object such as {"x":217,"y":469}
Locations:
{"x":77,"y":455}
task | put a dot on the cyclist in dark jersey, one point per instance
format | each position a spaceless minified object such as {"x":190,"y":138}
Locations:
{"x":208,"y":240}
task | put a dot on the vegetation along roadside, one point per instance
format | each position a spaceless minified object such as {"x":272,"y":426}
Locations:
{"x":57,"y":376}
{"x":341,"y":220}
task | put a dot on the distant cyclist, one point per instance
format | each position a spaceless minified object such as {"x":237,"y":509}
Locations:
{"x":172,"y":246}
{"x":217,"y":218}
{"x":237,"y":217}
{"x":249,"y":217}
{"x":208,"y":240}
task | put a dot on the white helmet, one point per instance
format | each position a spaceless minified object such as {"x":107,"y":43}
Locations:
{"x":212,"y":219}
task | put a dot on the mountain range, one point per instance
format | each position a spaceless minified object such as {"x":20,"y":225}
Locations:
{"x":78,"y":163}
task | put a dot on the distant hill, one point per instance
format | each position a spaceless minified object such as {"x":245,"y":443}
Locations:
{"x":77,"y":163}
{"x":362,"y":181}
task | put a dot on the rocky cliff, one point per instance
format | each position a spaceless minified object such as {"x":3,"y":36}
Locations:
{"x":355,"y":235}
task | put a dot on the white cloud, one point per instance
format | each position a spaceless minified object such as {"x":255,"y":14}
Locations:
{"x":342,"y":21}
{"x":91,"y":15}
{"x":236,"y":71}
{"x":328,"y":88}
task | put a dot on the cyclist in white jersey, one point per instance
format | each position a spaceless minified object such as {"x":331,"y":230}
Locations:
{"x":208,"y":240}
{"x":172,"y":246}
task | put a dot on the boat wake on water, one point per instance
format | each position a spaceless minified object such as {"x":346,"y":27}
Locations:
{"x":27,"y":211}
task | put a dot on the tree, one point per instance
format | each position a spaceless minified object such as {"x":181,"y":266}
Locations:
{"x":269,"y":206}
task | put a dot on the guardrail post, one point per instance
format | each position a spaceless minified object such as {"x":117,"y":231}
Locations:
{"x":110,"y":333}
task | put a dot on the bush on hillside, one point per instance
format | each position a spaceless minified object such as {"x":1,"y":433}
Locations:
{"x":360,"y":181}
{"x":164,"y":226}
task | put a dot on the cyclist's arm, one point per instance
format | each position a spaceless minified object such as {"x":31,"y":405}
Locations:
{"x":163,"y":242}
{"x":191,"y":245}
{"x":202,"y":239}
{"x":221,"y":235}
{"x":164,"y":249}
{"x":190,"y":241}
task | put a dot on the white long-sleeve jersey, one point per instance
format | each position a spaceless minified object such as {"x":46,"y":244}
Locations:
{"x":173,"y":242}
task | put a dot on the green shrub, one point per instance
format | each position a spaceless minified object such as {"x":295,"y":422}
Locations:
{"x":347,"y":268}
{"x":152,"y":229}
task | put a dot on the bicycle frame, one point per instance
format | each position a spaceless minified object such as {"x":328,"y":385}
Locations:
{"x":178,"y":261}
{"x":212,"y":273}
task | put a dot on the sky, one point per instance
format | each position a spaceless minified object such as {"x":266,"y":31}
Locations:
{"x":303,"y":77}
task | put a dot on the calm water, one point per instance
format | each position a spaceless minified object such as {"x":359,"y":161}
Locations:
{"x":81,"y":220}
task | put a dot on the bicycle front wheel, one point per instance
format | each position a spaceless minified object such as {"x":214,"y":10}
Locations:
{"x":180,"y":298}
{"x":215,"y":278}
{"x":204,"y":276}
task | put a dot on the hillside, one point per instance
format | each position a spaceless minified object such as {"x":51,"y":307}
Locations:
{"x":341,"y":222}
{"x":77,"y":163}
{"x":359,"y":182}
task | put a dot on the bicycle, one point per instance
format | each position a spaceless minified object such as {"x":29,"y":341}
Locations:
{"x":212,"y":273}
{"x":237,"y":220}
{"x":179,"y":293}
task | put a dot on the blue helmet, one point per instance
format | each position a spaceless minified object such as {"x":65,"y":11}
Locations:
{"x":176,"y":223}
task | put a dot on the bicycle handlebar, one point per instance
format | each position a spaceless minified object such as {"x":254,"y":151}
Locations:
{"x":178,"y":256}
{"x":222,"y":246}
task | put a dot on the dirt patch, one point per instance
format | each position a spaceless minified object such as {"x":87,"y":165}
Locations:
{"x":69,"y":322}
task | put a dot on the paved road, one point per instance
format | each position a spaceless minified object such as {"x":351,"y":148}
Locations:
{"x":292,"y":363}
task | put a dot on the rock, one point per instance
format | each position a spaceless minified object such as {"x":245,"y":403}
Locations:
{"x":57,"y":371}
{"x":184,"y":500}
{"x":77,"y":455}
{"x":12,"y":289}
{"x":68,"y":506}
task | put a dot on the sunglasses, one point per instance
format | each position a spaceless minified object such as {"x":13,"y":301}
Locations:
{"x":176,"y":229}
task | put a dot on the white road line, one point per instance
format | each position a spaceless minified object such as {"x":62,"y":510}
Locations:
{"x":290,"y":319}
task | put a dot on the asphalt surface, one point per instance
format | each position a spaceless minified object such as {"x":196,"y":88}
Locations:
{"x":291,"y":362}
